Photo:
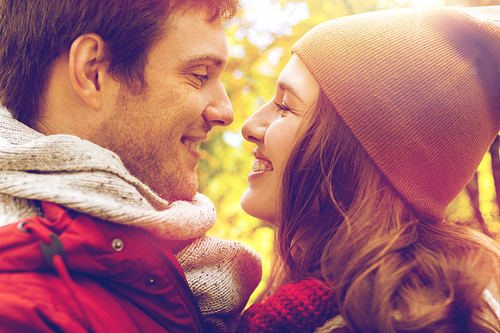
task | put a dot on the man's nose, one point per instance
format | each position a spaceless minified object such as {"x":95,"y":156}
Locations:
{"x":219,"y":112}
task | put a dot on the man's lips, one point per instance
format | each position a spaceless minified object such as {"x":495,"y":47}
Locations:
{"x":193,"y":142}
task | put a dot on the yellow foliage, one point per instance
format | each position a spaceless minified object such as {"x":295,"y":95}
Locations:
{"x":250,"y":80}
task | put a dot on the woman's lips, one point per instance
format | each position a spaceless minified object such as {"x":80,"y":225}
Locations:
{"x":262,"y":165}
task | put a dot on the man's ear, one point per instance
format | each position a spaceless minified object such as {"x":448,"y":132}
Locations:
{"x":86,"y":71}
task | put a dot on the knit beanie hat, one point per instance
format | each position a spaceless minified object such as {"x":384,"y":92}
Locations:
{"x":419,"y":89}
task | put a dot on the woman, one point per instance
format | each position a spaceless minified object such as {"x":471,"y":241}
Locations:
{"x":378,"y":121}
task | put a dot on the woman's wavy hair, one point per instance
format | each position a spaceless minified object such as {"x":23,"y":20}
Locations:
{"x":34,"y":33}
{"x":342,"y":222}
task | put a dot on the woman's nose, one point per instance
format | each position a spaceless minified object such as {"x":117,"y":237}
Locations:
{"x":254,"y":128}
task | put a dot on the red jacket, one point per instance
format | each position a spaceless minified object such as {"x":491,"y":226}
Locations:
{"x":121,"y":278}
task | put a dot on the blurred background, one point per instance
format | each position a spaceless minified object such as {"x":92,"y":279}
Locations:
{"x":260,"y":38}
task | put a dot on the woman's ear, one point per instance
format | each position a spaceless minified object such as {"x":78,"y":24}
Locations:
{"x":86,"y":71}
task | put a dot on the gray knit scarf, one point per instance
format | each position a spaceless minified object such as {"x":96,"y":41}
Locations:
{"x":84,"y":177}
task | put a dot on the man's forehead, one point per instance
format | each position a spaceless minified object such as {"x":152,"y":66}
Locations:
{"x":195,"y":40}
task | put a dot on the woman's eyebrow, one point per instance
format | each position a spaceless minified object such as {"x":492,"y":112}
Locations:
{"x":286,"y":87}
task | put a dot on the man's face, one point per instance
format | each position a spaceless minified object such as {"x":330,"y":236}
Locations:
{"x":158,"y":132}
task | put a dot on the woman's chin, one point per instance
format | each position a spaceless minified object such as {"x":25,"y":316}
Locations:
{"x":258,"y":207}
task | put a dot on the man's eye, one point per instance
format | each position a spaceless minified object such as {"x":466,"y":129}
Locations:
{"x":202,"y":78}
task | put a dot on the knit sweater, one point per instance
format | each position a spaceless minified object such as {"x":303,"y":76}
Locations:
{"x":297,"y":307}
{"x":309,"y":306}
{"x":86,"y":178}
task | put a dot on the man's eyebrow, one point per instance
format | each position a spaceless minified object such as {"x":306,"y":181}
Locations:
{"x":286,"y":87}
{"x":216,"y":60}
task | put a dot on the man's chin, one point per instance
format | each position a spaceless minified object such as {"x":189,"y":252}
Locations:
{"x":181,"y":197}
{"x":178,"y":194}
{"x":177,"y":188}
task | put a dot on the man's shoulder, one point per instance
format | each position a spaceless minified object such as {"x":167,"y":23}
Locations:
{"x":28,"y":305}
{"x":36,"y":301}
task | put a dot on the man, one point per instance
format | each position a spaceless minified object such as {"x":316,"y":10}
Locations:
{"x":101,"y":226}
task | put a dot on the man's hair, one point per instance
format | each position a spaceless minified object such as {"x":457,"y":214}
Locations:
{"x":34,"y":33}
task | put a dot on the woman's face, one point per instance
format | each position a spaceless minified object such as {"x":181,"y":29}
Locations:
{"x":273,"y":129}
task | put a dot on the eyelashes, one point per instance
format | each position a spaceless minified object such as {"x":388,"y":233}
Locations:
{"x":282,"y":106}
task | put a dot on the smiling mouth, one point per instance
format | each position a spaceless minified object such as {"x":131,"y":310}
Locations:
{"x":262,"y":165}
{"x":191,"y":143}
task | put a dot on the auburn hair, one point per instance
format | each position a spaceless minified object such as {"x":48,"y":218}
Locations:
{"x":34,"y":33}
{"x":341,"y":221}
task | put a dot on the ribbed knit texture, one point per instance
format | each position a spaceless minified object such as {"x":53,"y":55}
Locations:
{"x":419,"y":88}
{"x":84,"y":177}
{"x":237,"y":273}
{"x":295,"y":308}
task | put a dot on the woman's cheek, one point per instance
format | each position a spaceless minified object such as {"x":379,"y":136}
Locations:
{"x":279,"y":142}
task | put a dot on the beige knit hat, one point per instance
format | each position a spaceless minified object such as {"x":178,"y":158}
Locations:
{"x":420,"y":90}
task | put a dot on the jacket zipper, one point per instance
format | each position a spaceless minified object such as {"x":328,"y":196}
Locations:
{"x":183,"y":282}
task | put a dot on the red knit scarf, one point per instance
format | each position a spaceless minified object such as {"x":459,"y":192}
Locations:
{"x":300,"y":307}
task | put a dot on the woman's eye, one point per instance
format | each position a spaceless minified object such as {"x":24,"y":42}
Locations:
{"x":282,"y":106}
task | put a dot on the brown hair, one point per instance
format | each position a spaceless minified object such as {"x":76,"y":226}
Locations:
{"x":33,"y":33}
{"x":342,"y":222}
